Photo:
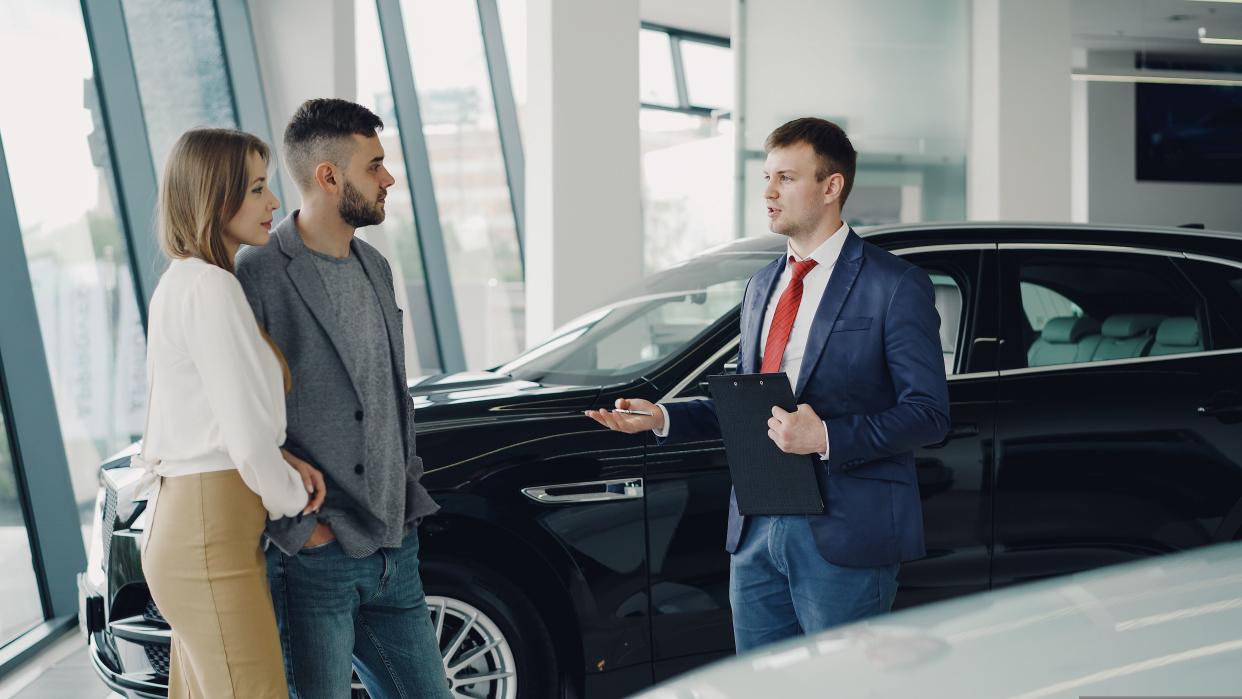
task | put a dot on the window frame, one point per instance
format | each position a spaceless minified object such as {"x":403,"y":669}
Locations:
{"x":675,"y":39}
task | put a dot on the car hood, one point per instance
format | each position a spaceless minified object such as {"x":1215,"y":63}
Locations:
{"x":1169,"y":626}
{"x":467,"y":395}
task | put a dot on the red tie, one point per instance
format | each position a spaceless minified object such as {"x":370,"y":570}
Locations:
{"x":783,"y":319}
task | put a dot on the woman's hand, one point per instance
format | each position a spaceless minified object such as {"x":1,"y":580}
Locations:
{"x":311,"y":478}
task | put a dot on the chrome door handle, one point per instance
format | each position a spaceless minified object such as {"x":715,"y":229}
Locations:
{"x":591,"y":491}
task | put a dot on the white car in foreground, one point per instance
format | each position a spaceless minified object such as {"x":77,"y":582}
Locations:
{"x":1166,"y":627}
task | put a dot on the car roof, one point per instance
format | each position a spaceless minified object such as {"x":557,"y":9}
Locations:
{"x":1170,"y":625}
{"x":989,"y":230}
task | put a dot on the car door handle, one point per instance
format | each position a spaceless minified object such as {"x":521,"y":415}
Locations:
{"x":957,"y":431}
{"x":1231,"y":410}
{"x":591,"y":491}
{"x":1225,"y":405}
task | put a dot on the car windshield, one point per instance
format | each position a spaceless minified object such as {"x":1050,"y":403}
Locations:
{"x":653,"y":321}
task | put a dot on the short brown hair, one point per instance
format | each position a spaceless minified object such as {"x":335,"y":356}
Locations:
{"x":320,"y":130}
{"x":835,"y":152}
{"x":205,"y":183}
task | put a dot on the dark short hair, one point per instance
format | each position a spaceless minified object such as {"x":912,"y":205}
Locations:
{"x":832,"y":147}
{"x":320,"y":130}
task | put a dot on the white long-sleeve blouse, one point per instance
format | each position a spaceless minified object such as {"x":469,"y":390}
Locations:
{"x":217,"y":392}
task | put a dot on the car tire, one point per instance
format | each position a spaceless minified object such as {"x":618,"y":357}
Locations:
{"x":512,"y":614}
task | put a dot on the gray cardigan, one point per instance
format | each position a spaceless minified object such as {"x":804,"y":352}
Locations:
{"x":325,"y":415}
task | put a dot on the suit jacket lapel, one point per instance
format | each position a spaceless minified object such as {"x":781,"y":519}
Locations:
{"x":839,"y":285}
{"x":764,"y":284}
{"x":309,"y":283}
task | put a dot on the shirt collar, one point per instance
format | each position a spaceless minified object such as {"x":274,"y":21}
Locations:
{"x":828,"y":251}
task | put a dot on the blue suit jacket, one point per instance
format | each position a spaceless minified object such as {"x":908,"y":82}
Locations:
{"x":874,"y":371}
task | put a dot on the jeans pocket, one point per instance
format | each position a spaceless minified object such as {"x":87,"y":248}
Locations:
{"x":316,"y":549}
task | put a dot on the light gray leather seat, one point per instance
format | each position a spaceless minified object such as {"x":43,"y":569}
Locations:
{"x":1127,"y":335}
{"x":1177,"y":335}
{"x":949,"y":306}
{"x":1065,"y":340}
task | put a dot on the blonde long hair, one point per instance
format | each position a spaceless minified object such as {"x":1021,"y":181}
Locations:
{"x":205,"y":183}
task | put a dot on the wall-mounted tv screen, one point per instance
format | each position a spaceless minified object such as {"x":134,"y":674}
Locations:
{"x":1188,"y":133}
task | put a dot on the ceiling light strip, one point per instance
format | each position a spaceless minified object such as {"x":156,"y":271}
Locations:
{"x":1155,"y":79}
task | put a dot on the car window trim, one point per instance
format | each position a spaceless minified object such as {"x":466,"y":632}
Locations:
{"x":1118,"y":362}
{"x":680,"y":386}
{"x":1092,"y":247}
{"x":1213,"y":260}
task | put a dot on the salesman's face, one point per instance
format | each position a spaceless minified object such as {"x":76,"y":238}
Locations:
{"x":796,"y":202}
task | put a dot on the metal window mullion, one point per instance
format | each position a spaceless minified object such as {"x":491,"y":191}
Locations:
{"x":129,"y":147}
{"x":506,"y":116}
{"x":39,"y":460}
{"x":679,"y":73}
{"x":422,"y":191}
{"x":242,"y":65}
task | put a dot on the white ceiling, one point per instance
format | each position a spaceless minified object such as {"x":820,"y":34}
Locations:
{"x":1167,"y":26}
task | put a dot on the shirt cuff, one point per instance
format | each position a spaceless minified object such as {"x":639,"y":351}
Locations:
{"x":663,"y":431}
{"x":827,"y":446}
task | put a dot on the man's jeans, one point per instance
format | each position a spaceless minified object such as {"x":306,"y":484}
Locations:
{"x":334,"y":611}
{"x":780,"y":586}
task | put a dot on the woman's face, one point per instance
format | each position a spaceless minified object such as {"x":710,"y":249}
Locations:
{"x":253,"y":221}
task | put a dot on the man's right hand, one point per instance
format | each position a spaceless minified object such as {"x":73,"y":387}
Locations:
{"x":321,"y":535}
{"x":630,"y":424}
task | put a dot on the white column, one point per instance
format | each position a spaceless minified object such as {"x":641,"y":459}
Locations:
{"x":305,"y":50}
{"x":583,"y":222}
{"x":1019,"y":161}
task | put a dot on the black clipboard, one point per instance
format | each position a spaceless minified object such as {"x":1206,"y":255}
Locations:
{"x":766,"y":480}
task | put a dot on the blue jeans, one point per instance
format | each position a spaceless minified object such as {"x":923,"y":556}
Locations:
{"x":334,"y":611}
{"x":780,"y":586}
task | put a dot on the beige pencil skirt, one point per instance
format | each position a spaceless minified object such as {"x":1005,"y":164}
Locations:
{"x":207,"y":574}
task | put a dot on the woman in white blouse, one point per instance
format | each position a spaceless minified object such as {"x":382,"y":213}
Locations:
{"x":215,"y":423}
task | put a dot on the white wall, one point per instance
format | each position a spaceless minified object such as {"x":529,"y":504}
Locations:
{"x":893,"y":73}
{"x":1020,"y":138}
{"x":583,"y":223}
{"x":305,"y":50}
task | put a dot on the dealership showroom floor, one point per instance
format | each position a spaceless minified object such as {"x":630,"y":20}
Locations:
{"x":662,"y":349}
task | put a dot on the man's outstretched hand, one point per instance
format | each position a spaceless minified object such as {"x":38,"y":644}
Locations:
{"x":630,"y":424}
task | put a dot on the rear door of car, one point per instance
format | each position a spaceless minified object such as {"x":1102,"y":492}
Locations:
{"x":1118,"y":408}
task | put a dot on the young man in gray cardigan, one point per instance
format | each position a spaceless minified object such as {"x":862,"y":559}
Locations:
{"x":345,"y":582}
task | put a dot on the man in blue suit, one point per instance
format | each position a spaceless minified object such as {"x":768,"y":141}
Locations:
{"x":856,"y":330}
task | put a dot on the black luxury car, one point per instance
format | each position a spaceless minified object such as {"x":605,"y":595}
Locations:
{"x":1095,"y":375}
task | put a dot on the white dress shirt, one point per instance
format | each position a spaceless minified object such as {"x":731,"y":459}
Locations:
{"x":813,"y":286}
{"x":217,"y":393}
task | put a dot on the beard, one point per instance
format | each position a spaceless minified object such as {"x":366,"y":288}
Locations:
{"x":357,"y":211}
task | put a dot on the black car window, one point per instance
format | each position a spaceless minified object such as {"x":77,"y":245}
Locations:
{"x":1079,"y":306}
{"x":1221,"y":287}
